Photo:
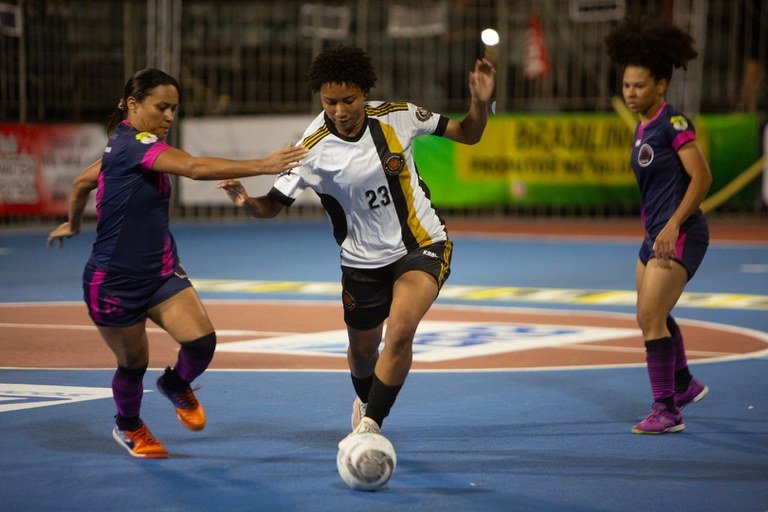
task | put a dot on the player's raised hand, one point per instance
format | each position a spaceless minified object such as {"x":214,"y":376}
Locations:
{"x":235,"y":191}
{"x":482,"y":80}
{"x":284,"y":159}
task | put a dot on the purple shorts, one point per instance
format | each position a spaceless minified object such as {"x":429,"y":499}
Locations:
{"x":121,"y":301}
{"x":690,"y":248}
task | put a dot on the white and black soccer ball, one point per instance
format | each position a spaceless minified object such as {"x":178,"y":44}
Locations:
{"x":366,"y":461}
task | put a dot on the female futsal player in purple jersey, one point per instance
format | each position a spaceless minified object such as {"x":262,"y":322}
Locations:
{"x":134,"y":272}
{"x":674,"y":178}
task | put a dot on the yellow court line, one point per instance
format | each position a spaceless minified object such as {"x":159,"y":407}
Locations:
{"x":612,"y":297}
{"x":534,"y":295}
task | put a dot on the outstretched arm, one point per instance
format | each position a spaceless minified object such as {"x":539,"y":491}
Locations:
{"x":470,"y":130}
{"x":176,"y":161}
{"x":261,"y":207}
{"x":78,"y":198}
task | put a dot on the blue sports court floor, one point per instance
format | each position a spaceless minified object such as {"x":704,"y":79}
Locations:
{"x":529,"y":439}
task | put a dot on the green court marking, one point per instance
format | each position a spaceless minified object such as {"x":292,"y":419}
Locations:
{"x":495,"y":294}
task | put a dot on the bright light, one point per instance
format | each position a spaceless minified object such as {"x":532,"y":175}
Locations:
{"x":490,"y":37}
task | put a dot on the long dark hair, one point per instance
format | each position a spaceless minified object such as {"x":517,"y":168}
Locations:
{"x":655,"y":44}
{"x":139,"y":86}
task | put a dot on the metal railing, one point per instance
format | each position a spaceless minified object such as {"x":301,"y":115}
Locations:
{"x":69,"y":60}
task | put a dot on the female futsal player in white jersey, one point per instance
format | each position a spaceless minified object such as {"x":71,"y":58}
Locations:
{"x":395,"y":252}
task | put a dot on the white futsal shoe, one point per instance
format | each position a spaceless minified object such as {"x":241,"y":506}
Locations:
{"x":358,"y":412}
{"x":366,"y":426}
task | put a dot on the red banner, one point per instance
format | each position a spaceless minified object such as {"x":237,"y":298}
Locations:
{"x":39,"y":162}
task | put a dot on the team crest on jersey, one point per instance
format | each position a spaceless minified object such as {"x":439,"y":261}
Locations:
{"x":146,"y":137}
{"x":423,"y":114}
{"x":679,"y":123}
{"x":348,"y":300}
{"x":645,"y":155}
{"x":394,"y":164}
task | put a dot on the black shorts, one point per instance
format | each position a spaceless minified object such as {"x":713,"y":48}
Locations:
{"x":690,"y":248}
{"x":367,"y":292}
{"x":116,"y":300}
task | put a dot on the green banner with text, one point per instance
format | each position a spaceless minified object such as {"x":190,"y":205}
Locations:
{"x":564,"y":160}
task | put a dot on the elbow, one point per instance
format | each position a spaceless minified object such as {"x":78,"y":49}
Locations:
{"x":468,"y":140}
{"x":471,"y":137}
{"x":272,"y":210}
{"x":262,"y":207}
{"x":198,"y":171}
{"x":82,"y":186}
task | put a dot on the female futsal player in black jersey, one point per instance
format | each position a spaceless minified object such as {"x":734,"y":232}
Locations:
{"x":674,"y":177}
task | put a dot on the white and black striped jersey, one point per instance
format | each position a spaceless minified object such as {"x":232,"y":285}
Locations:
{"x":369,"y":185}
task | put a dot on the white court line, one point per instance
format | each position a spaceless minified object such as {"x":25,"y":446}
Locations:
{"x":611,"y":348}
{"x":236,"y":333}
{"x":746,"y":331}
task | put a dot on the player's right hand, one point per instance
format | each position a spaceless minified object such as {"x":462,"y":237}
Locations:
{"x":235,"y":191}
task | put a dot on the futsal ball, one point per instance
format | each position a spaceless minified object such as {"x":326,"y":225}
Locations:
{"x":366,"y":461}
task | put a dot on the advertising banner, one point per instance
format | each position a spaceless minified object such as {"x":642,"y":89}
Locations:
{"x":547,"y":160}
{"x":569,"y":160}
{"x":530,"y":161}
{"x":238,"y":138}
{"x":39,"y":162}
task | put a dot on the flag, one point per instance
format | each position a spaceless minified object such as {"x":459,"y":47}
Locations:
{"x":535,"y":59}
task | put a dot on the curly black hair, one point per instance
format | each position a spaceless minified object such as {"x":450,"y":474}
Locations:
{"x":655,"y":44}
{"x":342,"y":65}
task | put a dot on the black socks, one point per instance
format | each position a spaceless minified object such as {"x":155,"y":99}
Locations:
{"x":380,"y":400}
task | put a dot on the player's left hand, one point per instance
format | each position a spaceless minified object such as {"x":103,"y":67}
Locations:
{"x":482,"y":80}
{"x":60,"y":233}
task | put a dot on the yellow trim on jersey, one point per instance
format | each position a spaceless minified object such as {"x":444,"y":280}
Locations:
{"x":386,"y":108}
{"x":404,"y":178}
{"x":316,"y":137}
{"x":444,"y":263}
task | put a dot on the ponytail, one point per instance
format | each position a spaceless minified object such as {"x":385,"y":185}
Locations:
{"x":118,"y":115}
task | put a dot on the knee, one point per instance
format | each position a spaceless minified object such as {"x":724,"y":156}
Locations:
{"x":399,"y":338}
{"x":643,"y":319}
{"x":134,"y":359}
{"x":364,"y":351}
{"x":649,"y":320}
{"x":203,"y":346}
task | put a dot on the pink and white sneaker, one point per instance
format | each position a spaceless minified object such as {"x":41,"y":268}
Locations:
{"x":660,"y":421}
{"x":695,"y":392}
